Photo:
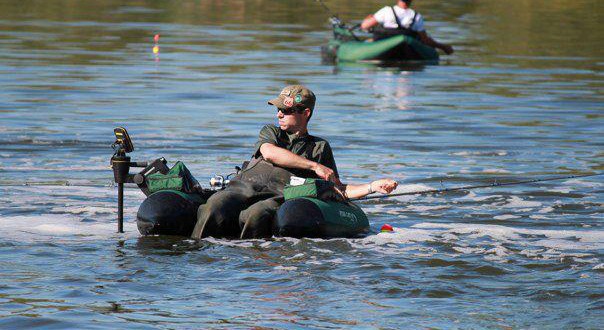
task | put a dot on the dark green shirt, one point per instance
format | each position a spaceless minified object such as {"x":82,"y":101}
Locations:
{"x":308,"y":146}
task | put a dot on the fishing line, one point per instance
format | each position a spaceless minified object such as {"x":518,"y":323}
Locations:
{"x":62,"y":184}
{"x":326,"y":8}
{"x":111,"y":184}
{"x":336,"y":20}
{"x":494,"y":184}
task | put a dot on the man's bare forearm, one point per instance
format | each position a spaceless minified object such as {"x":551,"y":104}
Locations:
{"x":285,"y":158}
{"x":357,"y":190}
{"x":384,"y":186}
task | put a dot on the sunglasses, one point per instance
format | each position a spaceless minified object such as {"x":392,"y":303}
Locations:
{"x":290,"y":111}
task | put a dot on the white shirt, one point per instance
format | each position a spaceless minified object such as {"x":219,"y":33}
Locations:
{"x":385,"y":17}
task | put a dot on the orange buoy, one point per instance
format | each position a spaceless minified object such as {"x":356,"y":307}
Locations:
{"x":386,"y":228}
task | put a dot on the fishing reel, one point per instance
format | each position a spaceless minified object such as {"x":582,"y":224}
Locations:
{"x":343,"y":32}
{"x":219,"y":182}
{"x":335,"y":21}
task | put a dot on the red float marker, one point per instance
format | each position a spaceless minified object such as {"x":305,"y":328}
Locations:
{"x":156,"y":38}
{"x":386,"y":228}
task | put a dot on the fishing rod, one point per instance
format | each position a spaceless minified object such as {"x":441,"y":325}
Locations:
{"x":336,"y":20}
{"x":59,"y":184}
{"x":320,"y":2}
{"x":494,"y":184}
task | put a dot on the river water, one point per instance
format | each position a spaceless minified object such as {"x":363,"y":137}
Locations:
{"x":521,"y":98}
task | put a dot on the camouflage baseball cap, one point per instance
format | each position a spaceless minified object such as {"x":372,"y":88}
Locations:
{"x":294,"y":96}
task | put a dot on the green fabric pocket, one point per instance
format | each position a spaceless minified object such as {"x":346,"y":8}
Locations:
{"x":178,"y":178}
{"x":310,"y":188}
{"x":158,"y":181}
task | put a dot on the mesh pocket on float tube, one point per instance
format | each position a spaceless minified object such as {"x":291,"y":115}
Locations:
{"x":178,"y":178}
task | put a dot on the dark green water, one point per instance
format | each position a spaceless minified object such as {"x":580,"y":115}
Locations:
{"x":521,"y":98}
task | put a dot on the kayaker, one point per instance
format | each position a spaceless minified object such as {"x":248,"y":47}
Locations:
{"x":246,"y":208}
{"x":401,"y":19}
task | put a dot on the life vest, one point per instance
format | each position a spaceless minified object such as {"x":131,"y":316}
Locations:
{"x":380,"y":32}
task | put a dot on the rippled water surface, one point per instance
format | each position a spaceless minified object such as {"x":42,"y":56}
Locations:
{"x":521,"y":98}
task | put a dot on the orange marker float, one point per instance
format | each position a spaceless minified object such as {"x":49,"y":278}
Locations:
{"x":386,"y":228}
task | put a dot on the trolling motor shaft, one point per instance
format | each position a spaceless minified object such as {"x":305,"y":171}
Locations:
{"x":120,"y":163}
{"x":121,"y":166}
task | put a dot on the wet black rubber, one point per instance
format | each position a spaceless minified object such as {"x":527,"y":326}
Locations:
{"x":167,"y":213}
{"x":299,"y":218}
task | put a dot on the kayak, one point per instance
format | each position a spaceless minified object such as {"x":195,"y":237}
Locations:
{"x":172,"y":212}
{"x":345,"y":47}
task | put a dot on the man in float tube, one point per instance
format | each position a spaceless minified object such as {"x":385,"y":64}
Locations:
{"x":246,"y":208}
{"x":401,"y":19}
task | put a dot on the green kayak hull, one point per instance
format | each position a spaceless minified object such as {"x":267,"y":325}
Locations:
{"x":396,"y":48}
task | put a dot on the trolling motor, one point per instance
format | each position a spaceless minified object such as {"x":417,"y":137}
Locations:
{"x":120,"y":163}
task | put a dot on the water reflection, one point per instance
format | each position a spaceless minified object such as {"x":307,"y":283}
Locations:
{"x":392,"y":91}
{"x":385,"y":66}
